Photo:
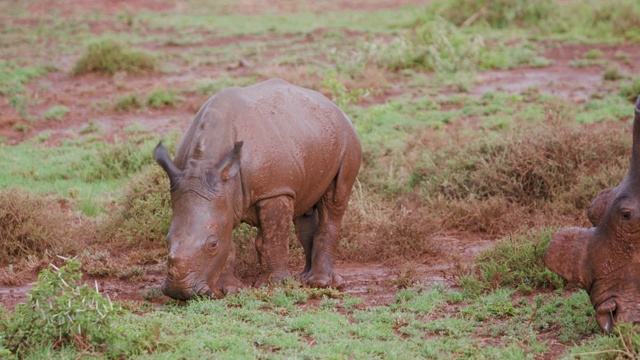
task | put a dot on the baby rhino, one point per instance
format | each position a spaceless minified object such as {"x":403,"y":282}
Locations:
{"x":605,"y":259}
{"x":266,"y":155}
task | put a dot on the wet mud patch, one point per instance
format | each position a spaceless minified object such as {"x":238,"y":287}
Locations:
{"x":571,"y":74}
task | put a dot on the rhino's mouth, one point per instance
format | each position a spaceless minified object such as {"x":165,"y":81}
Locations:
{"x":184,"y":289}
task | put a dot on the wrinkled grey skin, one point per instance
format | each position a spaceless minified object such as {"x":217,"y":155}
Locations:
{"x":266,"y":155}
{"x":605,"y":259}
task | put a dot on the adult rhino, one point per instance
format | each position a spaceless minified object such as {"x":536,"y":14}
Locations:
{"x":265,"y":155}
{"x":605,"y":259}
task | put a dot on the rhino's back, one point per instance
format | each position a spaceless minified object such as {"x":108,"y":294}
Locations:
{"x":294,"y":139}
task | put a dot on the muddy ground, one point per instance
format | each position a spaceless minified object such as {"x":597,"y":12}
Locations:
{"x":373,"y":282}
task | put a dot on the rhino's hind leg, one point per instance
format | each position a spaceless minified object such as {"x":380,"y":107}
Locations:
{"x":272,"y":243}
{"x":306,"y":228}
{"x":331,"y":209}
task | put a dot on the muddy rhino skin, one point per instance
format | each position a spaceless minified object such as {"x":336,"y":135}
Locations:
{"x":266,"y":155}
{"x":605,"y":259}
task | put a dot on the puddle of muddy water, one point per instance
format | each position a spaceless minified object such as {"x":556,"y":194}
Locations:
{"x":566,"y":82}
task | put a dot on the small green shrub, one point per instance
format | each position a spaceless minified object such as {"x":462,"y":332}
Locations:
{"x":340,"y":94}
{"x":118,"y":160}
{"x":516,"y":261}
{"x":21,"y":127}
{"x":128,"y":103}
{"x":91,"y":127}
{"x":108,"y":56}
{"x":59,"y":312}
{"x":161,"y":98}
{"x":612,"y":74}
{"x":631,"y":90}
{"x":593,"y":54}
{"x":56,"y":112}
{"x":433,"y":45}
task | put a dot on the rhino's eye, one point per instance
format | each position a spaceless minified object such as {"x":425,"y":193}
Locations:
{"x":625,"y":214}
{"x":212,"y":241}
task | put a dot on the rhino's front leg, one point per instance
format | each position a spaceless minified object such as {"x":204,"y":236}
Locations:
{"x":272,"y":243}
{"x":227,"y":283}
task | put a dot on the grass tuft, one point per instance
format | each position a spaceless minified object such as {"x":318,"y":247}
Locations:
{"x":528,"y":165}
{"x":57,"y":112}
{"x":516,"y":262}
{"x":143,"y":218}
{"x":499,"y":13}
{"x":31,"y":226}
{"x":161,"y":98}
{"x":109,"y":57}
{"x":631,"y":90}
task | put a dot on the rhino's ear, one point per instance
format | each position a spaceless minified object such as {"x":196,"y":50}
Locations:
{"x":598,"y":206}
{"x":230,"y":165}
{"x":567,"y":255}
{"x":161,"y":156}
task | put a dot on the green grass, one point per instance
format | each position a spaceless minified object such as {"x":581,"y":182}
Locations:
{"x":128,"y":103}
{"x":109,"y":57}
{"x":82,"y":170}
{"x":514,"y":262}
{"x":438,"y":159}
{"x":57,"y":112}
{"x":278,"y":322}
{"x":13,"y":76}
{"x":161,"y":98}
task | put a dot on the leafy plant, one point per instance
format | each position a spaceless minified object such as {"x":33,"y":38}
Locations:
{"x":59,"y":311}
{"x":340,"y":94}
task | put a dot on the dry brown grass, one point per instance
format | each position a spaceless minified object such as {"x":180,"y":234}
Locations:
{"x":553,"y":167}
{"x":377,"y":229}
{"x":32,"y":225}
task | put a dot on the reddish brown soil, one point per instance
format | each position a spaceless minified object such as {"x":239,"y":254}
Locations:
{"x":85,"y":94}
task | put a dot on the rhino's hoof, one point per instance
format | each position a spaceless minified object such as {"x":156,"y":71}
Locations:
{"x":273,"y":278}
{"x":227,"y":285}
{"x":325,"y":280}
{"x":230,"y":290}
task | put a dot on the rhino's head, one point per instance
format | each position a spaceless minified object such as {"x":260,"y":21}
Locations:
{"x":200,"y":244}
{"x":605,"y":259}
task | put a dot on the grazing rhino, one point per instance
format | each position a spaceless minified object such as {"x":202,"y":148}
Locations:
{"x":265,"y":155}
{"x":605,"y":259}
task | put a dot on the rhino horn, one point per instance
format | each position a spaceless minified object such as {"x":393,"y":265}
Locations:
{"x":162,"y":157}
{"x":634,"y":168}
